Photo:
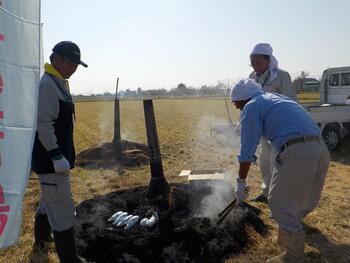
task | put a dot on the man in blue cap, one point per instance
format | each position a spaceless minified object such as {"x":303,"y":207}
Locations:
{"x":300,"y":166}
{"x":53,"y":152}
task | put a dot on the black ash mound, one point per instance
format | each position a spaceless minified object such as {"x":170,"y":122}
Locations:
{"x":111,"y":155}
{"x":182,"y":234}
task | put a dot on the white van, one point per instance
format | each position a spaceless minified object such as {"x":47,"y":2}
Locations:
{"x":335,"y":86}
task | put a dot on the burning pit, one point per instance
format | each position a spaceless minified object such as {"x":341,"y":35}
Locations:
{"x":187,"y":229}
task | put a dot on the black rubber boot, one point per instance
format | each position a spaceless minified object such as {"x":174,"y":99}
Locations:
{"x":65,"y":246}
{"x":42,"y":230}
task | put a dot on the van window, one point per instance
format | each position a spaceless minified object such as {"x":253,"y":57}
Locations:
{"x":345,"y":79}
{"x":334,"y":80}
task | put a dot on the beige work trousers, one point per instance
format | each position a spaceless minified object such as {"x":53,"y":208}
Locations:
{"x":56,"y":200}
{"x":297,"y":182}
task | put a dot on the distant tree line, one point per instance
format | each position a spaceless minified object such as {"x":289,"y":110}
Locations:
{"x":301,"y":83}
{"x":180,"y":91}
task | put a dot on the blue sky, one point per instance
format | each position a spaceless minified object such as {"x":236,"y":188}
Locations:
{"x":158,"y":44}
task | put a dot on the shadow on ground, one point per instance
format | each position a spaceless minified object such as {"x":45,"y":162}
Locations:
{"x":342,"y":153}
{"x":329,"y":252}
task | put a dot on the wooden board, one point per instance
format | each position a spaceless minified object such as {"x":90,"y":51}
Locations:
{"x":196,"y":177}
{"x":204,"y":175}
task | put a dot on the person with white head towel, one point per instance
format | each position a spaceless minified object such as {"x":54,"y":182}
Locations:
{"x":299,"y":168}
{"x":272,"y":79}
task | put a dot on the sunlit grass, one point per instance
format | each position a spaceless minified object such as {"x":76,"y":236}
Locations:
{"x":309,"y":96}
{"x":186,"y":143}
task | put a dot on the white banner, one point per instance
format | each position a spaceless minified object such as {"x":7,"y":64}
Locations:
{"x":19,"y":79}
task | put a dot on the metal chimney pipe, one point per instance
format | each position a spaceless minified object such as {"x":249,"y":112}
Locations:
{"x":116,"y":137}
{"x":158,"y":188}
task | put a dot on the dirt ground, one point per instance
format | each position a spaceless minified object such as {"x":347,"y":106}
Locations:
{"x":185,"y":130}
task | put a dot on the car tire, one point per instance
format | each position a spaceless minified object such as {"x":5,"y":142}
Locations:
{"x":331,"y":137}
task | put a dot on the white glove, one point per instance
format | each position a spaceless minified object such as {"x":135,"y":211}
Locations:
{"x":61,"y":165}
{"x":241,"y":189}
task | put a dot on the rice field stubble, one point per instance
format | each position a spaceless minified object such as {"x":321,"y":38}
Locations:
{"x":186,"y":143}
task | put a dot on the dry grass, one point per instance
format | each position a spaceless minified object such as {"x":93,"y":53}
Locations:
{"x":184,"y":135}
{"x":309,"y":96}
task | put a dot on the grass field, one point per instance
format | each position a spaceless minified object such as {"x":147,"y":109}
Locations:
{"x":309,"y":96}
{"x":186,"y":143}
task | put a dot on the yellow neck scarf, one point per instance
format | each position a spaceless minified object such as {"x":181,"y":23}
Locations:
{"x":52,"y":71}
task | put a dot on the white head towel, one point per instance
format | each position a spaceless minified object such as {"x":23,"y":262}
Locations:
{"x":266,"y":49}
{"x":245,"y":89}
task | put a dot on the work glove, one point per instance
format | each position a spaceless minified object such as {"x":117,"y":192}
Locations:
{"x":61,"y":164}
{"x":241,"y":189}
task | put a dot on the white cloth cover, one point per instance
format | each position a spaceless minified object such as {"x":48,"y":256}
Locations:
{"x":245,"y":89}
{"x":19,"y":79}
{"x":266,"y":49}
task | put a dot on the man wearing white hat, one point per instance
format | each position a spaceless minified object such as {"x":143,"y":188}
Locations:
{"x":272,"y":79}
{"x":299,"y":168}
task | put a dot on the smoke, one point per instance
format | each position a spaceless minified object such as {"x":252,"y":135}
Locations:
{"x":104,"y":125}
{"x":216,"y":147}
{"x":220,"y":195}
{"x":127,"y":135}
{"x":216,"y":144}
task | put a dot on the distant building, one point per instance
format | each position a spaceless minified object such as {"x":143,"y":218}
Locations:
{"x":306,"y":85}
{"x":311,"y":85}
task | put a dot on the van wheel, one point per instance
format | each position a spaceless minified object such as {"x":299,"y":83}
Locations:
{"x":331,"y":137}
